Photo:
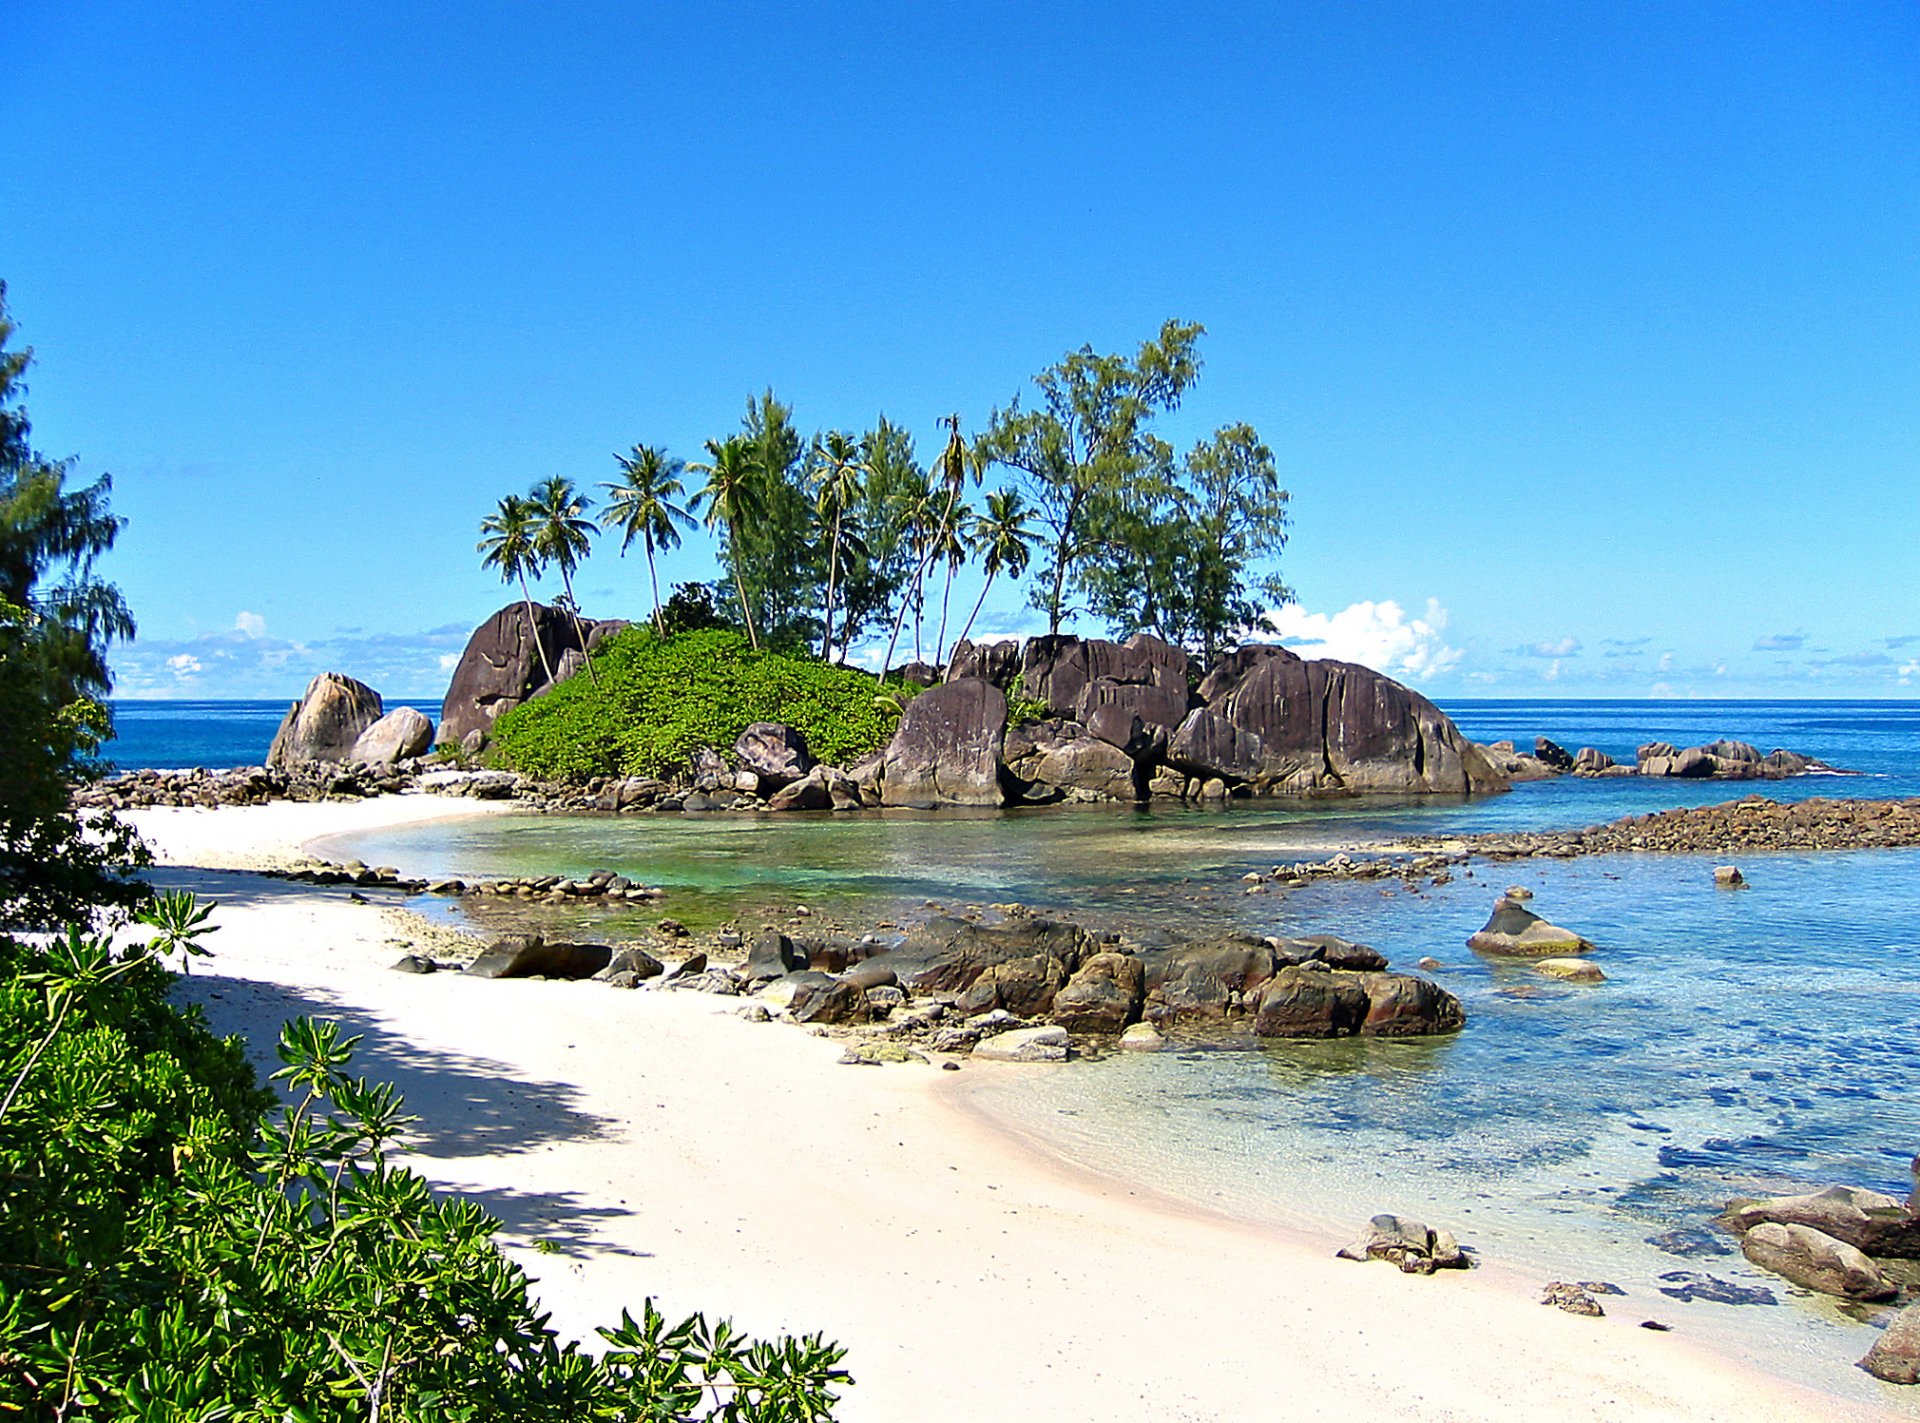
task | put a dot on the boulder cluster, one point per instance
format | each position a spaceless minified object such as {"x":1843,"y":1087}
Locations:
{"x":1722,"y":760}
{"x":340,"y":719}
{"x":1034,"y":985}
{"x":1129,"y":721}
{"x":1848,"y":1243}
{"x":245,"y":785}
{"x":1753,"y":823}
{"x":506,"y":663}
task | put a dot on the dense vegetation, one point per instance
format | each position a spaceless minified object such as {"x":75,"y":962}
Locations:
{"x":659,"y":700}
{"x":173,"y":1248}
{"x":56,"y":620}
{"x":831,"y":540}
{"x":169,"y":1251}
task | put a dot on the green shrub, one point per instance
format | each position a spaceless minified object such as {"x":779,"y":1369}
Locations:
{"x":167,"y":1252}
{"x":660,"y":700}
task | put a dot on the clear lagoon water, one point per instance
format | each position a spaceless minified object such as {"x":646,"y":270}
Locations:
{"x":1755,"y":1041}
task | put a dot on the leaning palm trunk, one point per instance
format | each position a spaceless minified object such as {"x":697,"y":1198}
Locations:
{"x":533,"y":629}
{"x":746,"y":614}
{"x":939,"y":647}
{"x":579,"y":633}
{"x":977,"y":602}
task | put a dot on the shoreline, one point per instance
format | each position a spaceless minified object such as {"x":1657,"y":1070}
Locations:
{"x":637,"y":1133}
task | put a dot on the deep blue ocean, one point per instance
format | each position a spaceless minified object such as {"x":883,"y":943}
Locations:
{"x":1758,"y":1041}
{"x":175,"y":735}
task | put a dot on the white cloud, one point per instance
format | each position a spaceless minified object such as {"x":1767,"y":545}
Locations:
{"x":1558,"y":648}
{"x":185,"y":665}
{"x":1376,"y":635}
{"x":250,"y":625}
{"x":449,"y":661}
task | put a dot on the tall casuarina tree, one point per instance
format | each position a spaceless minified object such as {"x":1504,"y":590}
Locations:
{"x":562,"y":536}
{"x":506,"y":543}
{"x":640,"y":505}
{"x":841,"y":472}
{"x":732,"y":497}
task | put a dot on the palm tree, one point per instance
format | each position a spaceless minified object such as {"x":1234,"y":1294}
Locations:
{"x":954,"y":542}
{"x":640,"y":505}
{"x":732,"y":495}
{"x":1004,"y":540}
{"x":562,"y":536}
{"x":841,"y":470}
{"x":507,"y":542}
{"x":914,"y":507}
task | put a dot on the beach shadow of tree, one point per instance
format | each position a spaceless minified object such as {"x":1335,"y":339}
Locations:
{"x":467,"y":1105}
{"x":560,"y":1222}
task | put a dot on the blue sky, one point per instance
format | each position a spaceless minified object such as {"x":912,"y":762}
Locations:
{"x":1587,"y":337}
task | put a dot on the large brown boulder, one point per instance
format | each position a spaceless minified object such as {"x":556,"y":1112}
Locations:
{"x":995,"y":662}
{"x":1059,"y":668}
{"x":1207,"y":978}
{"x":530,"y":956}
{"x":1895,"y":1355}
{"x":1208,"y":745}
{"x":325,"y":724}
{"x":501,"y":667}
{"x":947,"y":955}
{"x":946,"y":750}
{"x":1868,"y":1221}
{"x":400,"y":735}
{"x":1055,"y":760}
{"x":775,"y":752}
{"x":1313,"y":1001}
{"x":1103,"y":997}
{"x":1336,"y":727}
{"x":1816,"y":1260}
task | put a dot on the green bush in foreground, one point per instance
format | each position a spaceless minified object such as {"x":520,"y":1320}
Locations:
{"x":169,"y":1252}
{"x":660,"y":700}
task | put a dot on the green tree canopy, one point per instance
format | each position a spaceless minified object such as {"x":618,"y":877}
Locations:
{"x":1088,"y":448}
{"x":640,"y":505}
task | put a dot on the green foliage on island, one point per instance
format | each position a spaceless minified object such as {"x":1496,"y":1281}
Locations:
{"x":172,"y":1249}
{"x":828,"y":540}
{"x":659,"y":700}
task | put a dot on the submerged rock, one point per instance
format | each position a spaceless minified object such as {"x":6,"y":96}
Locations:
{"x":1571,"y":970}
{"x":1045,"y":1044}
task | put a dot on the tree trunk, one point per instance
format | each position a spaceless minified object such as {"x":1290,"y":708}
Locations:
{"x":946,"y":593}
{"x":533,"y":629}
{"x":579,"y":633}
{"x":991,"y":572}
{"x":746,"y":615}
{"x":653,"y":577}
{"x":833,"y":578}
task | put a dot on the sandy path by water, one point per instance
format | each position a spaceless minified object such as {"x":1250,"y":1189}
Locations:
{"x":661,"y":1145}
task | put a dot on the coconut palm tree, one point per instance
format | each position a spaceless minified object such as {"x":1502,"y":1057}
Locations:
{"x":1004,"y":539}
{"x":956,"y":462}
{"x":562,"y":536}
{"x":840,"y":471}
{"x":507,"y":543}
{"x":732,"y":496}
{"x":915,"y":500}
{"x":640,"y":505}
{"x":953,"y":544}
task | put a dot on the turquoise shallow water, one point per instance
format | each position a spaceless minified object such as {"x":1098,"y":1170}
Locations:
{"x":1747,"y":1042}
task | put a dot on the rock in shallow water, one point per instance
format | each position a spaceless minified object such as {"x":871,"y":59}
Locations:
{"x":1895,"y":1355}
{"x":1816,"y":1260}
{"x":1519,"y":932}
{"x":1868,"y":1221}
{"x":1046,"y":1044}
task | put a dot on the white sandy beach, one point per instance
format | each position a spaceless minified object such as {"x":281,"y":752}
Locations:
{"x":662,"y":1146}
